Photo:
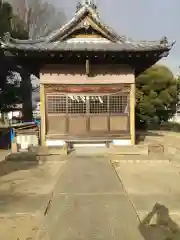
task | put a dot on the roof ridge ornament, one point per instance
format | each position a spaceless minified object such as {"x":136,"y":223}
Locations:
{"x":90,"y":3}
{"x":6,"y":38}
{"x":164,"y":40}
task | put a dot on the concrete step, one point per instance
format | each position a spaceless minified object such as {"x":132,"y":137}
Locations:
{"x":129,"y":150}
{"x":135,"y":152}
{"x":102,"y":150}
{"x":91,"y":151}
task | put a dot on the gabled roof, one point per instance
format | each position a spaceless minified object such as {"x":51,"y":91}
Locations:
{"x":77,"y":22}
{"x":56,"y":41}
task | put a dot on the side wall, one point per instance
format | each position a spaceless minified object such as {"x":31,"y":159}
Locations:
{"x":104,"y":74}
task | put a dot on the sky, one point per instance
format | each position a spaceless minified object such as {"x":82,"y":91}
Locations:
{"x":139,"y":20}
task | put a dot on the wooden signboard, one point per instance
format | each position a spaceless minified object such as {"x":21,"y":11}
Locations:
{"x":87,"y":89}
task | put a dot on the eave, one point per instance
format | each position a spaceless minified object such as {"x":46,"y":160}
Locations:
{"x":138,"y":60}
{"x":141,"y":54}
{"x":88,"y":47}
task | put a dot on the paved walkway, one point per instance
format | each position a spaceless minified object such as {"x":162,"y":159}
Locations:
{"x":90,"y":203}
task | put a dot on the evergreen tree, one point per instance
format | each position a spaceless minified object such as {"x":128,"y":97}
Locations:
{"x":157,"y":95}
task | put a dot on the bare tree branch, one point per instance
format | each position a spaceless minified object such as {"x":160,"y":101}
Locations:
{"x":40,"y":18}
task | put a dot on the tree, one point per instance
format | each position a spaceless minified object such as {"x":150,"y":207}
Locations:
{"x":18,"y":30}
{"x":40,"y":18}
{"x":9,"y":82}
{"x":156,"y":96}
{"x":5,"y":17}
{"x":10,"y":92}
{"x":9,"y":22}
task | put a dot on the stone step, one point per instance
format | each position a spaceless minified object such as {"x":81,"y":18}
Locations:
{"x":151,"y":152}
{"x":129,"y":150}
{"x":91,"y":151}
{"x":84,"y":150}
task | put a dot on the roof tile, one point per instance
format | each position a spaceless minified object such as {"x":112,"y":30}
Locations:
{"x":70,"y":46}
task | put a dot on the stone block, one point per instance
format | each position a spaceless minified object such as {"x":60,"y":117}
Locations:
{"x":48,"y":151}
{"x":156,"y":148}
{"x":14,"y":147}
{"x":22,"y":156}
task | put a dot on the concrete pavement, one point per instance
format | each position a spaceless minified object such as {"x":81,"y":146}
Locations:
{"x":90,"y":203}
{"x":95,"y":197}
{"x":153,"y":189}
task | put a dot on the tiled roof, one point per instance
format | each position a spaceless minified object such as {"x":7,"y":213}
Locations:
{"x":83,"y":46}
{"x":50,"y":43}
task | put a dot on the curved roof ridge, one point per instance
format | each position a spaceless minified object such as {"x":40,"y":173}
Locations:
{"x":163,"y":42}
{"x":26,"y":41}
{"x":78,"y":15}
{"x":7,"y":38}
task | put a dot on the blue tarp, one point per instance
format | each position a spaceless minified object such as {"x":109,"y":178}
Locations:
{"x":12,"y":134}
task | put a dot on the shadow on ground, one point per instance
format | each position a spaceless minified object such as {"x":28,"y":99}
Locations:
{"x":18,"y":162}
{"x":158,"y":225}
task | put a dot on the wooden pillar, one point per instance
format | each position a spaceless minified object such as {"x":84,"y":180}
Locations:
{"x":26,"y":89}
{"x":132,"y":113}
{"x":43,"y":115}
